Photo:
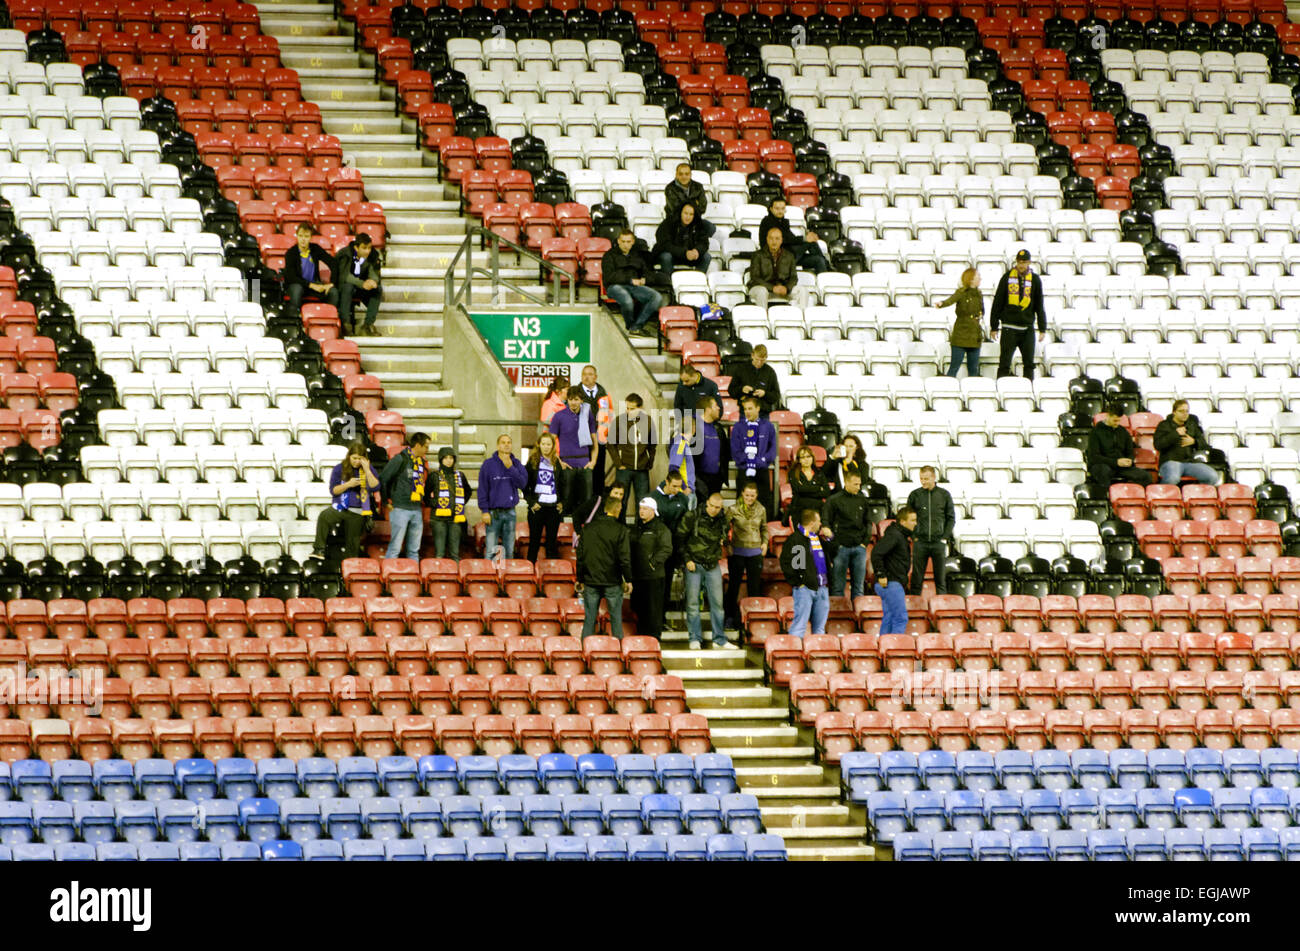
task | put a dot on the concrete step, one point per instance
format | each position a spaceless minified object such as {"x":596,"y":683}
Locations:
{"x":352,"y":110}
{"x":822,"y":837}
{"x":676,"y":659}
{"x":705,"y":680}
{"x":427,"y":329}
{"x":305,"y":59}
{"x":774,"y":757}
{"x":728,"y":736}
{"x":387,"y":124}
{"x":325,"y":90}
{"x":729,"y":697}
{"x":787,"y":796}
{"x":807,"y":774}
{"x":409,"y":358}
{"x":824,"y":853}
{"x":797,"y":817}
{"x":282,"y":22}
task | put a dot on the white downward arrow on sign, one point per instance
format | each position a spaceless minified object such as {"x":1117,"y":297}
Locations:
{"x":572,"y":350}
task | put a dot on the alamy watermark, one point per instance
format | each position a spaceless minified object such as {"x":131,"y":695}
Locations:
{"x":53,"y":686}
{"x":944,"y":689}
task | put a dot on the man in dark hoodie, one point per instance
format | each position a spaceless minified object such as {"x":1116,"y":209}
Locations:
{"x":758,"y":380}
{"x":1177,"y":437}
{"x":652,"y":546}
{"x":935,"y":519}
{"x":844,"y":521}
{"x":1017,"y":306}
{"x":358,"y":277}
{"x":1110,"y":453}
{"x":302,"y":271}
{"x":632,"y":445}
{"x":449,"y":493}
{"x":700,"y":540}
{"x":625,"y":271}
{"x":692,"y":386}
{"x":672,"y":503}
{"x":405,"y":482}
{"x":682,"y":190}
{"x":682,"y":240}
{"x":604,"y":569}
{"x":803,"y":563}
{"x":891,"y":560}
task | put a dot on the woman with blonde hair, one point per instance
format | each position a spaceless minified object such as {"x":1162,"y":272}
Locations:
{"x":967,"y":333}
{"x":543,"y":496}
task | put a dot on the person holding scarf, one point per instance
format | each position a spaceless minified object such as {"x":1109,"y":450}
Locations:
{"x":574,"y":429}
{"x":682,"y":461}
{"x":753,"y":450}
{"x":451,"y":491}
{"x":1017,"y":304}
{"x":542,"y":495}
{"x":803,"y":562}
{"x":352,"y":482}
{"x":404,"y":481}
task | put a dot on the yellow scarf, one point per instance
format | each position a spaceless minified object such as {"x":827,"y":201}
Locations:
{"x":1019,"y":289}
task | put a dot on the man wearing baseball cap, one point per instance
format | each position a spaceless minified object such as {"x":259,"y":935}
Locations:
{"x":1017,"y":303}
{"x":652,"y":546}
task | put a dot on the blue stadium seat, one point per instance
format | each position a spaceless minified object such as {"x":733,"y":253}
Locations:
{"x":201,"y":852}
{"x":1168,"y":768}
{"x":1145,"y":845}
{"x":1052,"y":770}
{"x":558,"y":773}
{"x":484,"y":849}
{"x":121,"y":852}
{"x":240,"y":852}
{"x":676,"y":773}
{"x":463,"y":816}
{"x":767,"y":847}
{"x":1195,"y":808}
{"x":358,"y":778}
{"x":503,"y":816}
{"x":1069,"y":845}
{"x":965,"y":809}
{"x":74,"y":852}
{"x":278,"y":779}
{"x":860,"y":775}
{"x":1031,"y":846}
{"x":1118,"y":808}
{"x":438,"y":775}
{"x":715,"y":774}
{"x":741,"y":813}
{"x":159,"y":852}
{"x":1290,"y":838}
{"x":647,"y":848}
{"x":196,"y":779}
{"x":1293,"y":798}
{"x":518,"y":774}
{"x":1232,"y":808}
{"x":926,"y":811}
{"x":661,"y":814}
{"x":724,"y":847}
{"x":1128,"y":769}
{"x":406,"y":850}
{"x":155,"y":779}
{"x":259,"y":819}
{"x":1185,"y":845}
{"x":621,"y":814}
{"x":637,"y":775}
{"x":991,"y":845}
{"x":137,"y":821}
{"x":1091,"y":769}
{"x":1081,"y":809}
{"x":953,"y":847}
{"x":1224,"y":845}
{"x":900,"y":771}
{"x":114,"y":780}
{"x":1270,"y":807}
{"x":1261,"y":845}
{"x":607,"y":848}
{"x":1042,"y":808}
{"x":381,"y":817}
{"x":318,"y":778}
{"x":543,"y":815}
{"x":1281,"y":767}
{"x":526,"y":848}
{"x":33,"y":852}
{"x":687,"y":848}
{"x":938,"y":770}
{"x":95,"y":822}
{"x":300,"y":819}
{"x":32,"y":780}
{"x":478,"y":775}
{"x":1002,"y":809}
{"x":341,"y":819}
{"x":977,"y":770}
{"x":582,"y":816}
{"x":220,"y":821}
{"x":445,"y":850}
{"x":73,"y":781}
{"x":399,"y":776}
{"x":6,"y":783}
{"x":363,"y":850}
{"x":1156,"y":808}
{"x":1015,"y":770}
{"x":237,"y":778}
{"x":179,"y":820}
{"x":322,"y":850}
{"x":597,"y":774}
{"x":566,"y":848}
{"x":887,"y":813}
{"x":702,"y":814}
{"x":53,"y":821}
{"x":1243,"y":768}
{"x":1205,"y":768}
{"x":6,"y":855}
{"x":421,"y":816}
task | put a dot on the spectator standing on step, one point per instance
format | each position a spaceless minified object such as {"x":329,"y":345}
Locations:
{"x":625,"y":272}
{"x":967,"y":334}
{"x":748,"y":523}
{"x":405,"y":482}
{"x":692,"y":386}
{"x":1017,"y":305}
{"x":1177,"y":437}
{"x":500,"y":480}
{"x":753,"y":449}
{"x":682,"y":241}
{"x":701,"y":536}
{"x":352,"y":484}
{"x":303,"y":279}
{"x":807,"y":252}
{"x":574,"y":428}
{"x":672,"y":504}
{"x":808,"y":486}
{"x":652,"y":547}
{"x":602,"y":408}
{"x":772,"y":277}
{"x":711,"y":444}
{"x":804,"y":565}
{"x":557,"y":396}
{"x":358,"y":279}
{"x":449,"y":494}
{"x":604,"y":569}
{"x":542,"y":496}
{"x":891,"y":560}
{"x":936,"y":517}
{"x":632,"y":446}
{"x":685,"y":190}
{"x":1110,"y":453}
{"x":681,"y":458}
{"x":845,"y":525}
{"x":758,"y":380}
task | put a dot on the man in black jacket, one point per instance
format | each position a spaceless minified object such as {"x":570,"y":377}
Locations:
{"x":604,"y":569}
{"x":891,"y":558}
{"x":700,"y":538}
{"x":844,"y":522}
{"x":803,"y":563}
{"x":625,"y":270}
{"x":672,"y":504}
{"x":682,"y":240}
{"x":758,"y":380}
{"x":1178,"y":436}
{"x":1017,"y":303}
{"x":652,"y":546}
{"x":358,"y":279}
{"x":684,"y":189}
{"x":935,"y":520}
{"x":302,"y":271}
{"x":1110,"y":453}
{"x":807,"y":252}
{"x":692,"y":386}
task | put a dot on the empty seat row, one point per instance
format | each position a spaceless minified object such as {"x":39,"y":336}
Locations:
{"x":1106,"y":845}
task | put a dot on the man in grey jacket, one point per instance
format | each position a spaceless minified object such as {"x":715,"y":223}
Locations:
{"x":358,"y":277}
{"x":935,"y":520}
{"x":772,"y":274}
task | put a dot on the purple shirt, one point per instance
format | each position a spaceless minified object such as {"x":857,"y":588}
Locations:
{"x":498,"y":487}
{"x":709,"y":458}
{"x":564,"y":427}
{"x":761,"y":436}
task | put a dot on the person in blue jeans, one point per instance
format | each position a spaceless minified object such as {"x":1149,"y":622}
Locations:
{"x":701,"y":535}
{"x":846,"y":522}
{"x":500,"y":480}
{"x":804,"y":564}
{"x":625,"y":270}
{"x":891,"y":562}
{"x":1177,"y":438}
{"x":404,"y":481}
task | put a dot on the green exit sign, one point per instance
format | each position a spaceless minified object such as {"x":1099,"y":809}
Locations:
{"x":558,"y":337}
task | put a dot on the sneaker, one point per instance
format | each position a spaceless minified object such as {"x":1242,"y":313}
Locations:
{"x":369,"y":331}
{"x":316,"y":556}
{"x":695,"y":645}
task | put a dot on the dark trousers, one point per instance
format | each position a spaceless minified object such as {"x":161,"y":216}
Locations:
{"x":1106,"y":474}
{"x":935,"y":553}
{"x":575,"y":489}
{"x":1011,"y":340}
{"x":809,"y":255}
{"x":746,"y":568}
{"x":353,"y":527}
{"x":446,"y":537}
{"x":547,"y":518}
{"x":637,"y":482}
{"x":301,"y":292}
{"x":350,"y":294}
{"x":670,"y":568}
{"x":706,"y":483}
{"x":648,"y":605}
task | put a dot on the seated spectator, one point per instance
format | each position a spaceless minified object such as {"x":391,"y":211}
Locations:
{"x":758,"y":380}
{"x":684,"y":189}
{"x":1177,"y":437}
{"x":352,"y":483}
{"x":682,"y":241}
{"x":807,"y":252}
{"x":772,"y":275}
{"x":625,"y":271}
{"x":449,"y":493}
{"x":404,"y":481}
{"x":358,"y":279}
{"x":1110,"y":453}
{"x":557,"y":397}
{"x":302,"y":275}
{"x":808,"y":486}
{"x":847,"y":456}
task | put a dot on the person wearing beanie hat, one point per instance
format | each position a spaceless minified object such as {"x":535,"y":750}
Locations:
{"x":652,"y":546}
{"x":1017,"y":305}
{"x":449,"y":493}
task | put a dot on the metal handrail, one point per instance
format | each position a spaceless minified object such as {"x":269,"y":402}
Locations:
{"x":461,"y":295}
